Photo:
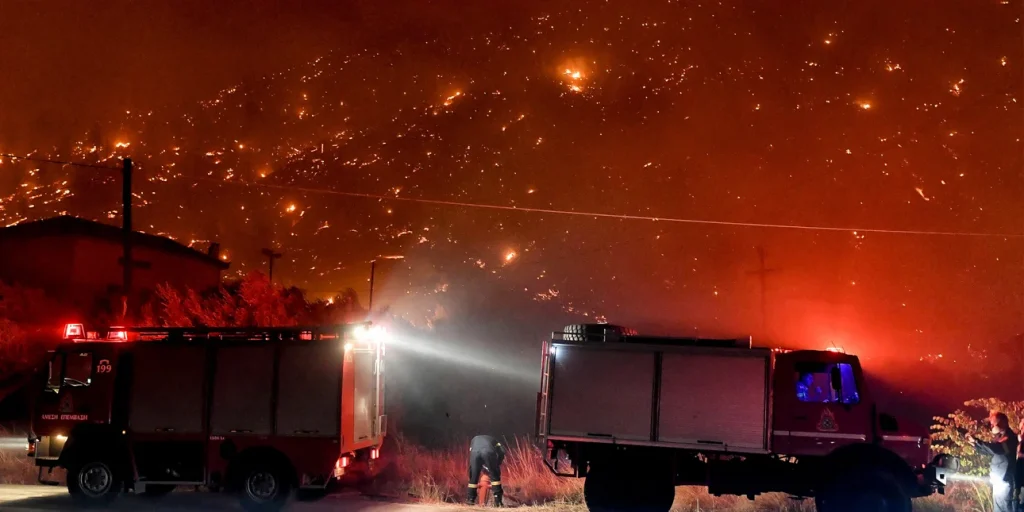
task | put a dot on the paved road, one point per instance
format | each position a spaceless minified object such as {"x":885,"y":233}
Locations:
{"x":23,"y":498}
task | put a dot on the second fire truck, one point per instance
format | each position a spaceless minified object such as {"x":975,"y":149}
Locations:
{"x":639,"y":415}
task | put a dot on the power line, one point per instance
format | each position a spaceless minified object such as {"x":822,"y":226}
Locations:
{"x":678,"y":220}
{"x":59,"y":162}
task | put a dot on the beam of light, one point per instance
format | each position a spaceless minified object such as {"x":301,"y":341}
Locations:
{"x":451,"y":353}
{"x":969,"y":478}
{"x":440,"y":202}
{"x":10,"y":443}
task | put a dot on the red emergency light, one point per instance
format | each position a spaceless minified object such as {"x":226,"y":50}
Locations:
{"x":77,"y":332}
{"x":72,"y":331}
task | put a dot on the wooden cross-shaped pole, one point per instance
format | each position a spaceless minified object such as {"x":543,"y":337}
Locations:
{"x":762,"y":274}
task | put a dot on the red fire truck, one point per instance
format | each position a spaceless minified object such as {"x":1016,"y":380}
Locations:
{"x":263,"y":412}
{"x":639,"y":415}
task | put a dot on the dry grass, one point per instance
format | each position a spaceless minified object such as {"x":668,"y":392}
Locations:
{"x":441,"y":477}
{"x":410,"y":471}
{"x":16,"y":468}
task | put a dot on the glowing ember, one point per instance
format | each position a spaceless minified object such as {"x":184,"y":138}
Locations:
{"x":451,"y":99}
{"x":955,"y":89}
{"x":574,"y":76}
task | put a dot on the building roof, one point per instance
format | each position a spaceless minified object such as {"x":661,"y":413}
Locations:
{"x":65,"y":225}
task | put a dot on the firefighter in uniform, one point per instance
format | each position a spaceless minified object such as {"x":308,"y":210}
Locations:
{"x":485,"y":453}
{"x":1003,"y":450}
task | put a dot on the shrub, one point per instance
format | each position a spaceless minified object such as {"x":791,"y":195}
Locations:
{"x":949,"y":433}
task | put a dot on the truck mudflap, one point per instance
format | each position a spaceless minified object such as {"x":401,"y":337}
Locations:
{"x":934,"y":476}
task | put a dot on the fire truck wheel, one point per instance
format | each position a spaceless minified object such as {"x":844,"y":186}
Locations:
{"x":93,"y":483}
{"x":864,"y":491}
{"x":603,"y":491}
{"x":265,"y":488}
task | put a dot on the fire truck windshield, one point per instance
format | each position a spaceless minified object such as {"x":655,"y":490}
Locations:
{"x":815,"y":384}
{"x":78,"y":369}
{"x":72,"y":369}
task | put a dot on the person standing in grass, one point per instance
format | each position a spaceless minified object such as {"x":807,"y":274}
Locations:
{"x":485,"y":453}
{"x":1003,"y":450}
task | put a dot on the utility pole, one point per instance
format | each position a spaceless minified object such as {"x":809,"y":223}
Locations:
{"x":373,"y":268}
{"x":762,"y":273}
{"x":271,"y":256}
{"x":126,"y":230}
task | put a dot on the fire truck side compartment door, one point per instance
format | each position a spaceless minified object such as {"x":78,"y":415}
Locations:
{"x":718,"y":398}
{"x":309,"y":389}
{"x":242,"y":390}
{"x":167,"y":389}
{"x":365,"y":395}
{"x":603,"y":393}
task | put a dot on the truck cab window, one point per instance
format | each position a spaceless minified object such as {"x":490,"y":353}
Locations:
{"x":78,"y":369}
{"x":815,"y":384}
{"x":56,"y":372}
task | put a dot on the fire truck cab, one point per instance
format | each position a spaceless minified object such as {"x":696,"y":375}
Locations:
{"x":264,"y":412}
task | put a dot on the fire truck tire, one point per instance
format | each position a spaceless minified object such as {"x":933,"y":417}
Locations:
{"x":603,"y":491}
{"x":158,"y":490}
{"x":93,"y":483}
{"x":265,"y":488}
{"x":864,"y":491}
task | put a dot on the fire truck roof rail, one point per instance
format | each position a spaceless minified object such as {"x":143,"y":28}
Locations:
{"x":746,"y":342}
{"x":314,"y":332}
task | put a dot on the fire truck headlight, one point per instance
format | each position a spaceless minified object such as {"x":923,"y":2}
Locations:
{"x":361,"y":333}
{"x":378,"y":334}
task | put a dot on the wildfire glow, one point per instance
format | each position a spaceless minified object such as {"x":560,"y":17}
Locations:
{"x":956,"y":90}
{"x":290,"y":208}
{"x":865,"y":105}
{"x":574,"y":75}
{"x":451,"y":99}
{"x":510,"y":256}
{"x":122,"y":144}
